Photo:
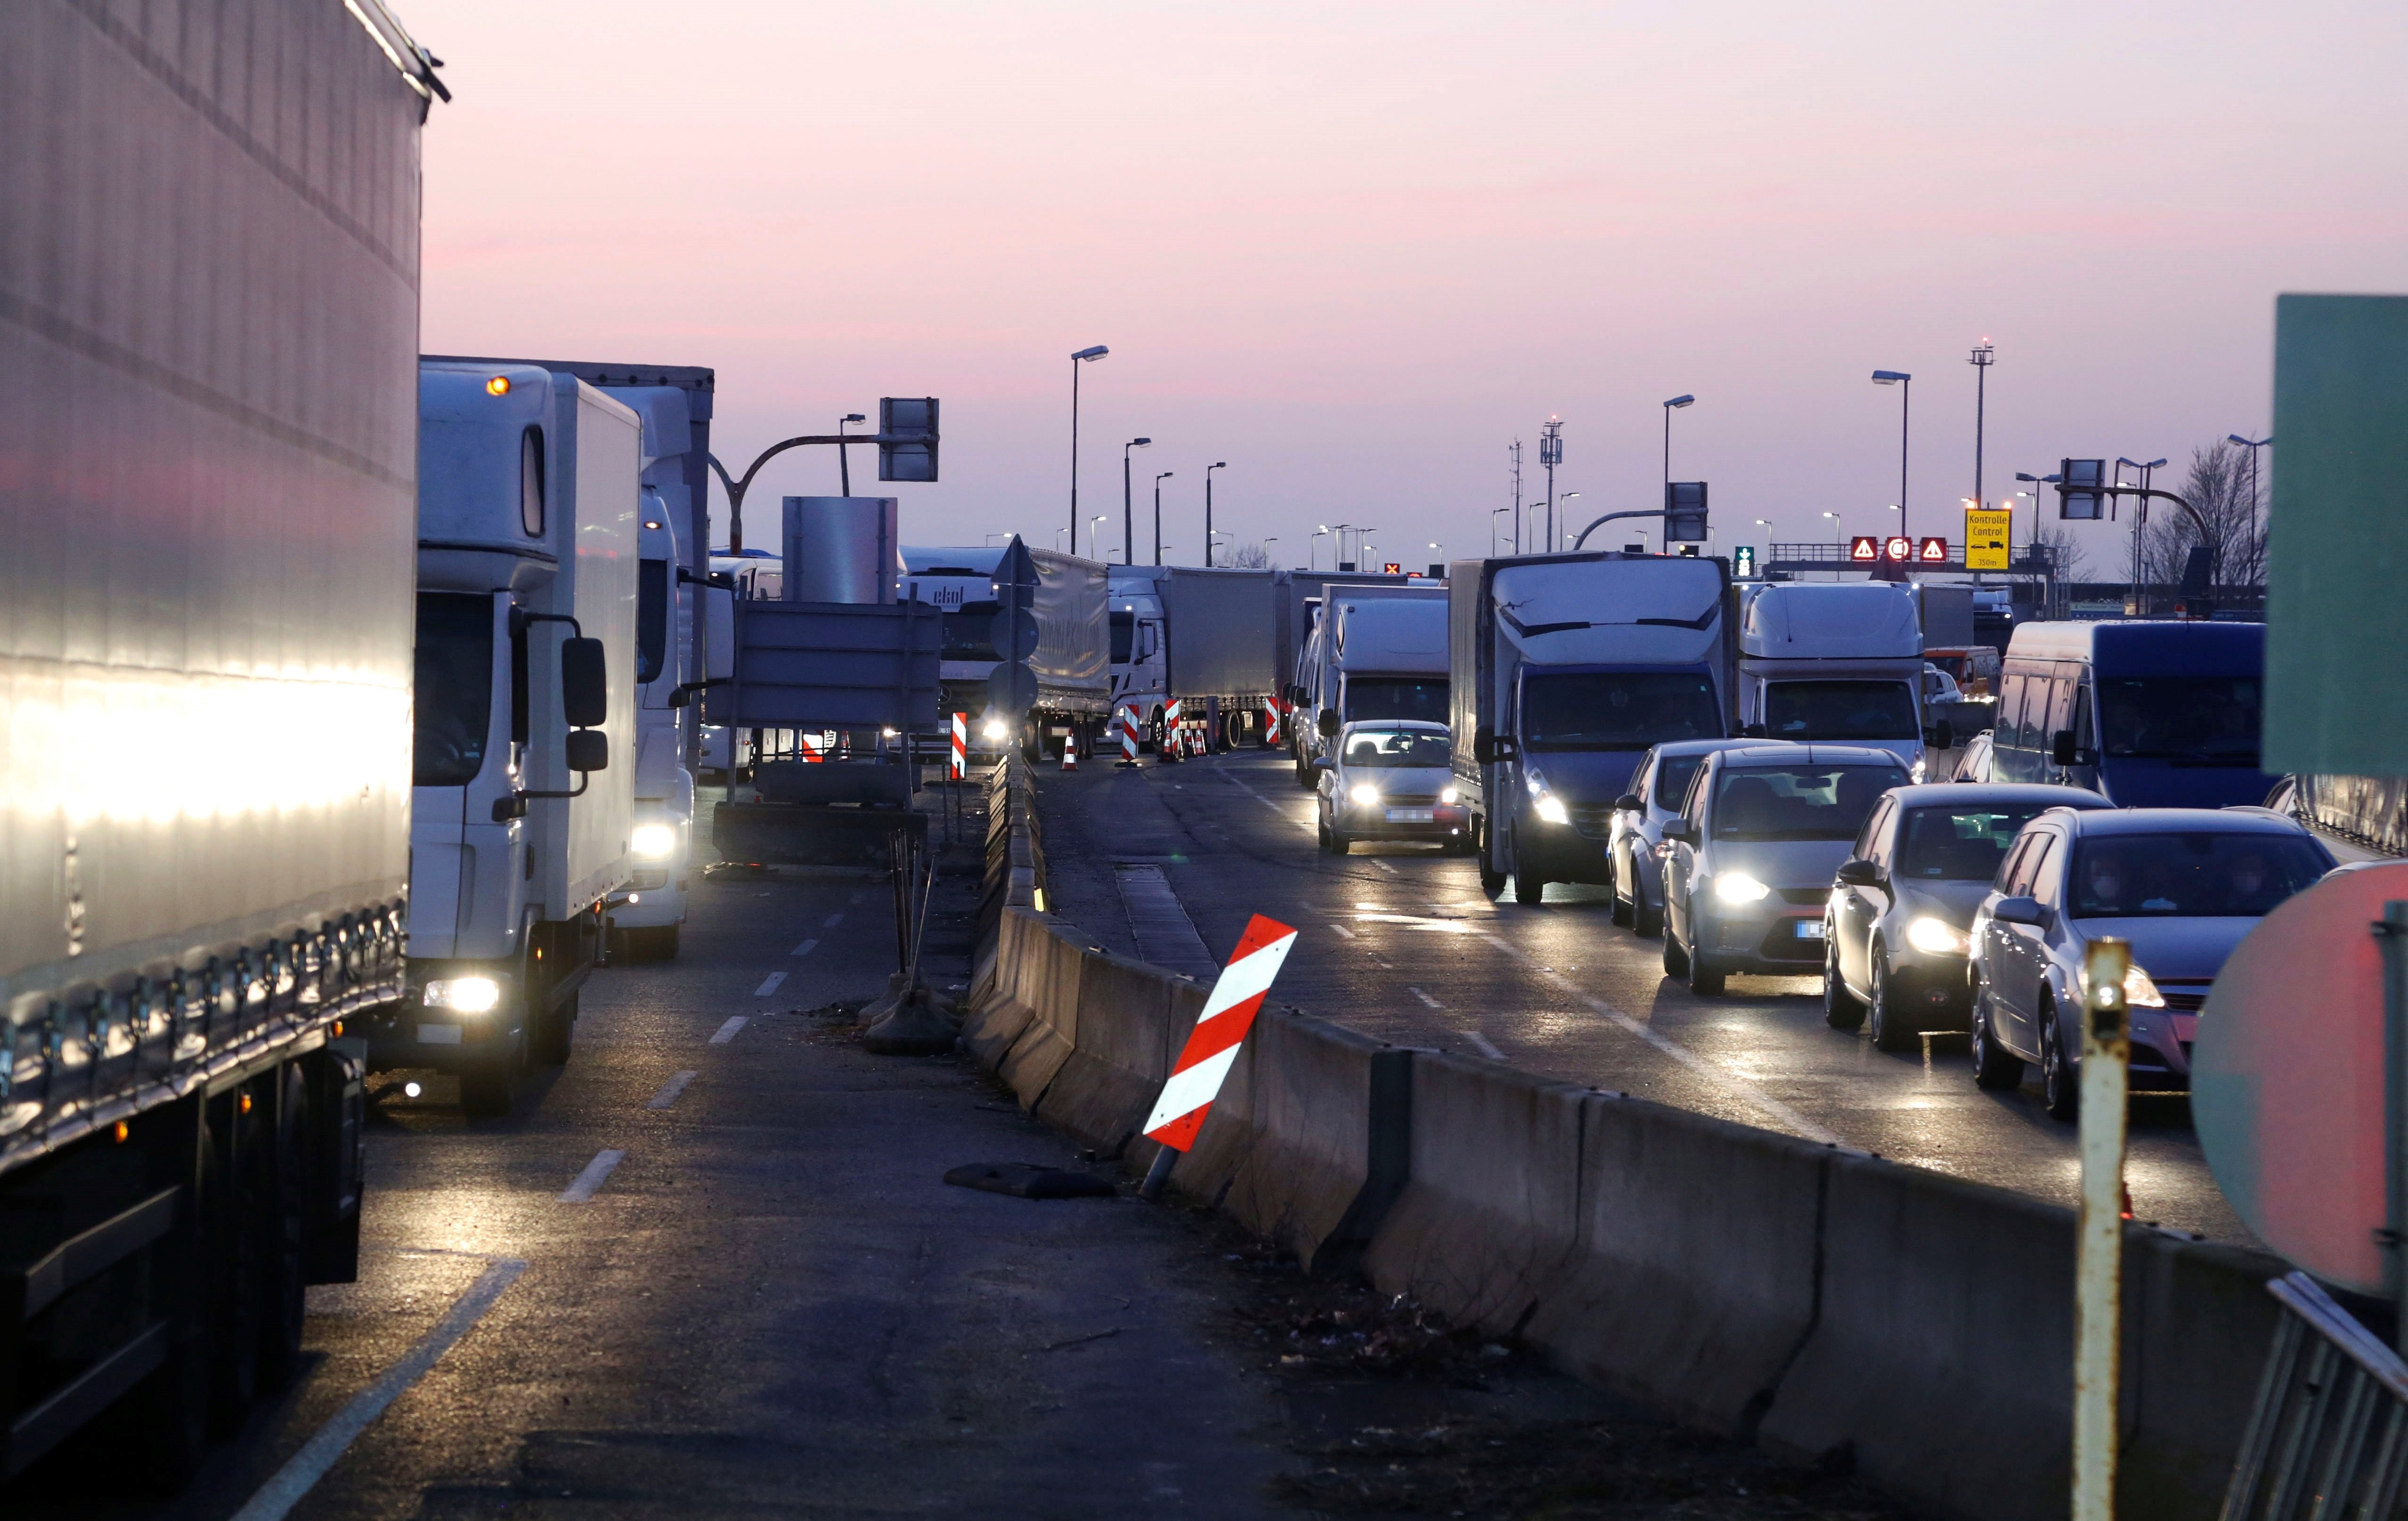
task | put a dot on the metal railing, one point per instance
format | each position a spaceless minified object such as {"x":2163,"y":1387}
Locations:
{"x":2028,"y":560}
{"x":2329,"y":1437}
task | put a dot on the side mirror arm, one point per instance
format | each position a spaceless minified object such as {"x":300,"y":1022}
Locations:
{"x":682,"y":694}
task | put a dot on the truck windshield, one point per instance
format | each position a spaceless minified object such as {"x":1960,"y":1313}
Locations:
{"x":969,"y":631}
{"x":456,"y":688}
{"x":1395,"y":696}
{"x":2196,"y":874}
{"x":1800,"y":802}
{"x":1840,"y":711}
{"x":1123,"y":636}
{"x":2197,"y":720}
{"x":1617,"y":709}
{"x":652,"y":619}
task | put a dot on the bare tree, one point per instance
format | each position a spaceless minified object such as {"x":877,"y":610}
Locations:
{"x":1249,"y":557}
{"x":2064,"y":551}
{"x":2217,"y":485}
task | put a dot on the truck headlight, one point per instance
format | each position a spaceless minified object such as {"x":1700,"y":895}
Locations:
{"x":464,"y":995}
{"x":1452,"y":795}
{"x":1739,"y":887}
{"x":1937,"y":937}
{"x":1550,"y":809}
{"x":1364,"y":793}
{"x":995,"y":729}
{"x":653,"y":842}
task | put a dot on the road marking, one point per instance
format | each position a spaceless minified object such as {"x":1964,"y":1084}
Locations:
{"x":768,"y":984}
{"x":1341,"y":929}
{"x":858,"y":897}
{"x":1385,"y":866}
{"x":1383,"y":965}
{"x":1424,"y":998}
{"x":669,"y":1091}
{"x":286,"y":1486}
{"x":833,"y":920}
{"x":1729,"y":1081}
{"x":1312,"y":824}
{"x":1488,"y":1047}
{"x":727,"y":1032}
{"x":805,"y":949}
{"x":591,"y":1178}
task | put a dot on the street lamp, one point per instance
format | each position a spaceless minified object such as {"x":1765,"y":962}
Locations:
{"x":1085,"y":356}
{"x":1905,"y":384}
{"x":1128,"y":520}
{"x":1218,"y":465}
{"x":1839,"y":531}
{"x":1491,"y":527}
{"x":2140,"y":520}
{"x":1669,"y":406}
{"x":1337,"y":534}
{"x":2253,"y":445}
{"x":1570,"y":496}
{"x":1267,"y":552}
{"x":1157,"y":513}
{"x":1312,"y":547}
{"x":1092,"y":524}
{"x":844,"y":454}
{"x":2036,"y":482}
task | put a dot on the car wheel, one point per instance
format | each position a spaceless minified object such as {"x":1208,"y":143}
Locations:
{"x":2059,"y":1090}
{"x":1622,"y":914}
{"x":1840,"y":1010}
{"x":1994,"y":1066}
{"x":1676,"y":960}
{"x":1705,"y":979}
{"x":1339,"y":843}
{"x":1529,"y":886}
{"x":1889,"y":1032}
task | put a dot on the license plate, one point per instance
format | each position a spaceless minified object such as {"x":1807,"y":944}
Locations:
{"x":1809,"y":929}
{"x":1410,"y":815}
{"x":439,"y":1034}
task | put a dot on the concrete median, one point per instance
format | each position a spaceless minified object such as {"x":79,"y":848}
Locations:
{"x":1130,"y":1020}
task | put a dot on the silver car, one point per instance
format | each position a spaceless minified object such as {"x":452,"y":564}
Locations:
{"x":2181,"y":885}
{"x":1749,"y":863}
{"x":1635,"y":837}
{"x":1894,"y":934}
{"x":1973,"y":765}
{"x":1390,"y":779}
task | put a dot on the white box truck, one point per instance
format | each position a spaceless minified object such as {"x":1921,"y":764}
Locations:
{"x":530,"y":542}
{"x":1839,"y":661}
{"x":207,"y":387}
{"x":1212,"y":639}
{"x":1375,"y":652}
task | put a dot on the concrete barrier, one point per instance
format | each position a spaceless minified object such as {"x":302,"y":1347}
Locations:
{"x":1131,"y":1020}
{"x":2197,"y":1322}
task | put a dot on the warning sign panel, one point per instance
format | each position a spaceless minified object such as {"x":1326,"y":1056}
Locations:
{"x":1864,"y":549}
{"x":1986,"y":538}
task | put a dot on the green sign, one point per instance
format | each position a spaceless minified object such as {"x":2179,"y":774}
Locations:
{"x":1744,"y":561}
{"x":2337,"y":553}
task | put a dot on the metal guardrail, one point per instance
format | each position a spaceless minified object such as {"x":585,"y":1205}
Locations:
{"x":2328,"y":1438}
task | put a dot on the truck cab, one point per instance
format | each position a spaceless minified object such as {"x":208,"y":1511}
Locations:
{"x":1139,"y":660}
{"x":1839,"y":662}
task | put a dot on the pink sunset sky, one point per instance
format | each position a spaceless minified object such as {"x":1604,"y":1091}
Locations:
{"x":1354,"y":251}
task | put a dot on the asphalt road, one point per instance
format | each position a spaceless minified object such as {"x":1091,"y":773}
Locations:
{"x":1398,"y":941}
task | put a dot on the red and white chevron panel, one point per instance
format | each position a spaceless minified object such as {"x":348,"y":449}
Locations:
{"x":1196,"y":1078}
{"x":961,"y":745}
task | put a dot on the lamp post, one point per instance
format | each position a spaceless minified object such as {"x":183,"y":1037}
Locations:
{"x":1085,"y":356}
{"x":1441,"y":550}
{"x":844,"y":454}
{"x":1569,"y":496}
{"x":1839,"y":531}
{"x":1092,"y":524}
{"x":1905,"y":384}
{"x":1363,"y":547}
{"x":1217,"y":465}
{"x":1670,"y":407}
{"x":1338,"y":545}
{"x":1491,"y":527}
{"x":1551,"y":453}
{"x":1982,"y":360}
{"x":2253,"y":445}
{"x":1267,"y":552}
{"x":2140,"y":519}
{"x":1128,"y":518}
{"x":1157,"y":513}
{"x":1312,"y":548}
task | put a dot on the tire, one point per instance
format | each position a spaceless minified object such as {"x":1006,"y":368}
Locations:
{"x":1887,"y":1033}
{"x":1676,"y":960}
{"x":1339,"y":844}
{"x":2059,"y":1090}
{"x":284,"y":1276}
{"x":1842,"y":1010}
{"x":549,"y":1035}
{"x":489,"y":1088}
{"x":1994,"y":1068}
{"x":1705,"y":979}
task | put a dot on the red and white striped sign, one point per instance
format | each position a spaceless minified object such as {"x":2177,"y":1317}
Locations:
{"x":1128,"y":735}
{"x":1271,"y":722}
{"x":961,"y":745}
{"x":1196,"y":1078}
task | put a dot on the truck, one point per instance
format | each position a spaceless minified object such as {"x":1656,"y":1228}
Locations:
{"x":529,"y":551}
{"x":725,"y":757}
{"x":1563,"y":669}
{"x":211,"y":501}
{"x":1839,"y":661}
{"x":1074,"y":683}
{"x":1377,"y":650}
{"x":1211,"y":638}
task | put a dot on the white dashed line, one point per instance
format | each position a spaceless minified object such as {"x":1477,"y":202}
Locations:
{"x":1424,"y":998}
{"x":768,"y":984}
{"x":1488,"y":1047}
{"x":669,"y":1091}
{"x":833,"y":920}
{"x":727,"y":1032}
{"x":805,"y":949}
{"x":1385,"y":866}
{"x":1312,"y":824}
{"x":590,"y":1179}
{"x":1341,"y":929}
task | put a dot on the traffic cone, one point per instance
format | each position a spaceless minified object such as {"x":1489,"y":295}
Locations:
{"x":1071,"y":751}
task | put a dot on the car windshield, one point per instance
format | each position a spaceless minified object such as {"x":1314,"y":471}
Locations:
{"x":1395,"y":696}
{"x":2194,"y":874}
{"x":1800,"y":802}
{"x":455,"y":689}
{"x":1959,"y":845}
{"x":1617,"y":709}
{"x":2194,"y":720}
{"x":1839,"y":711}
{"x":1672,"y":779}
{"x":1398,"y":747}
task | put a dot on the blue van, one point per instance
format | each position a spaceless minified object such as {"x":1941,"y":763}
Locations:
{"x":2150,"y":714}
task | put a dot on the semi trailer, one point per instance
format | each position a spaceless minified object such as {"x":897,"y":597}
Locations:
{"x":1074,"y":684}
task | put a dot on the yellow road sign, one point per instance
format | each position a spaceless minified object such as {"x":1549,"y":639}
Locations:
{"x":1986,"y":538}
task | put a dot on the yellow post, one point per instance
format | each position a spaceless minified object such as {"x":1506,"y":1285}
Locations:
{"x":2099,"y":1236}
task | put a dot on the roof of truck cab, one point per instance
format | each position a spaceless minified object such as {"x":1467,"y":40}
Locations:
{"x":2146,"y":647}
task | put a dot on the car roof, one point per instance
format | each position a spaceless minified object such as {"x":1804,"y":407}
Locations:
{"x":1925,"y":793}
{"x":1700,"y":747}
{"x":1395,"y":724}
{"x":2169,"y":821}
{"x":1790,"y":752}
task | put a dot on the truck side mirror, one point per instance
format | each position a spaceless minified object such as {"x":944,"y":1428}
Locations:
{"x":1327,"y":724}
{"x":589,"y":750}
{"x":2061,"y":751}
{"x":584,"y":686}
{"x":719,"y":632}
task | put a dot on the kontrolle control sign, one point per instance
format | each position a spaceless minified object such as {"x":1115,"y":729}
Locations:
{"x":1987,"y":539}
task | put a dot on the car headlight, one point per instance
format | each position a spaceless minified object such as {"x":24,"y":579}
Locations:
{"x":1452,"y":795}
{"x":1550,"y":809}
{"x":1937,"y":937}
{"x":2139,"y":992}
{"x":995,"y":729}
{"x":1739,"y":887}
{"x":1362,"y":793}
{"x":653,"y":842}
{"x":466,"y":995}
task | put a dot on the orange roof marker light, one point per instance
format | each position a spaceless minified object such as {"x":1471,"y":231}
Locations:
{"x":498,"y":386}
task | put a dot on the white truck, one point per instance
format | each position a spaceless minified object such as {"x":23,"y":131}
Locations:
{"x":1074,"y":680}
{"x":1839,"y":661}
{"x":725,"y":755}
{"x":1374,"y":652}
{"x":1212,"y":639}
{"x":530,"y":541}
{"x":207,"y":382}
